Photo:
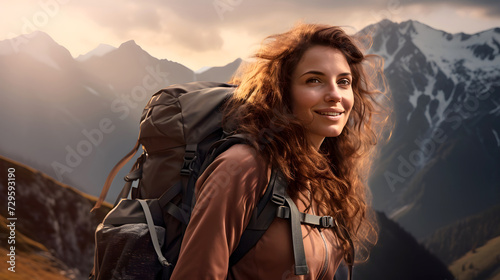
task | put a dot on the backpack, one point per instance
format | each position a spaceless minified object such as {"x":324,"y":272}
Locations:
{"x":181,"y":134}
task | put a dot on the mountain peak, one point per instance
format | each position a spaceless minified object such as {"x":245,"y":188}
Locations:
{"x":37,"y":39}
{"x":100,"y":50}
{"x":39,"y":45}
{"x":130,"y":44}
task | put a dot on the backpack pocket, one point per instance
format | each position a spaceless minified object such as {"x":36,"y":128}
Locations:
{"x":125,"y":247}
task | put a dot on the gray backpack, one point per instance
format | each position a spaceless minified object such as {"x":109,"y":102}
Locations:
{"x":181,"y":134}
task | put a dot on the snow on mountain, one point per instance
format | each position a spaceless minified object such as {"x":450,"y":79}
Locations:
{"x":450,"y":50}
{"x":430,"y":55}
{"x":446,"y":93}
{"x":101,"y":50}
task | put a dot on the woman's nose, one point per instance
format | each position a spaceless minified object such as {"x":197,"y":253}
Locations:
{"x":333,"y":94}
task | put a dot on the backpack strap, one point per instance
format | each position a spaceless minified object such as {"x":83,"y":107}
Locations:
{"x":221,"y":146}
{"x":186,"y":170}
{"x":299,"y":255}
{"x":275,"y":197}
{"x":152,"y":232}
{"x":134,"y":174}
{"x":313,"y":220}
{"x":263,"y":215}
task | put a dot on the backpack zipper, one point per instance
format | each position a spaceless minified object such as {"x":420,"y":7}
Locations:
{"x":325,"y":265}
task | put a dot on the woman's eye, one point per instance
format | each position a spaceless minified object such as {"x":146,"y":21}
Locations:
{"x":313,"y":81}
{"x":344,"y":82}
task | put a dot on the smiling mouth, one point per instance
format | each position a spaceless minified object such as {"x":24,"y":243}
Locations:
{"x":333,"y":114}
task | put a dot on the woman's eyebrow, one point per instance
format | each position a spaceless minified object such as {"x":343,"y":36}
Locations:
{"x":314,"y":72}
{"x":345,"y":74}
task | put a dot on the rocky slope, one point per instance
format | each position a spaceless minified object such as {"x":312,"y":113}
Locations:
{"x":53,"y":225}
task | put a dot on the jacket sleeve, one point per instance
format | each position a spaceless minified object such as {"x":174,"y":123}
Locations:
{"x":227,"y":193}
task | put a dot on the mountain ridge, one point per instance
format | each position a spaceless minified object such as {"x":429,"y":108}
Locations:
{"x":443,"y":118}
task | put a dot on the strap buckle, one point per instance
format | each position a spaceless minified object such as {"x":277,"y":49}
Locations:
{"x":278,"y":199}
{"x":187,"y":167}
{"x":326,"y":221}
{"x":189,"y":158}
{"x":283,"y":212}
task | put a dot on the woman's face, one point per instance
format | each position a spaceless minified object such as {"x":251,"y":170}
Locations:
{"x":322,"y":96}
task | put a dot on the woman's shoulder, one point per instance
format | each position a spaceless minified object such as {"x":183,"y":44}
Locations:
{"x":239,"y":162}
{"x":244,"y":154}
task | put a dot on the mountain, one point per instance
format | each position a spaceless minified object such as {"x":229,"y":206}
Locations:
{"x":32,"y":259}
{"x":471,"y":246}
{"x":219,"y":74}
{"x":101,"y":50}
{"x":55,"y":229}
{"x":441,"y":162}
{"x":480,"y":263}
{"x":55,"y":104}
{"x":398,"y":255}
{"x":79,"y":116}
{"x":53,"y":226}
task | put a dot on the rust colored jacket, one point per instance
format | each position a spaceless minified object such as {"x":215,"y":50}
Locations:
{"x":227,"y":193}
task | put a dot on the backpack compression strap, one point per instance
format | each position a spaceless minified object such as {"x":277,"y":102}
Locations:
{"x":298,"y":244}
{"x":152,"y":232}
{"x":275,"y":197}
{"x":277,"y":203}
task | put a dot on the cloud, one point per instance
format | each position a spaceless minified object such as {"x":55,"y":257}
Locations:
{"x":197,"y":25}
{"x":490,"y":8}
{"x":223,"y":30}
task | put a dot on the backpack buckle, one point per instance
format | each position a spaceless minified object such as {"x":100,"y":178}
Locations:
{"x":189,"y":158}
{"x":278,"y":199}
{"x":326,"y":221}
{"x":187,"y":166}
{"x":283,"y":212}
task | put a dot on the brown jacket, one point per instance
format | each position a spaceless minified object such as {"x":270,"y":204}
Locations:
{"x":227,"y":193}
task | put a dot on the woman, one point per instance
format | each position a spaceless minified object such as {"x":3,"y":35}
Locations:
{"x":306,"y":103}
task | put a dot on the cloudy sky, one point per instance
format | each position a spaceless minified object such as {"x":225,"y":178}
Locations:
{"x":201,"y":33}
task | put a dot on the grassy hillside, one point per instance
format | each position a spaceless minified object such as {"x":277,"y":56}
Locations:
{"x":33,"y":260}
{"x":54,"y":229}
{"x":482,"y":263}
{"x":452,"y":242}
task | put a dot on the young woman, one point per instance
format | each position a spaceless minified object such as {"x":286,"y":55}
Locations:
{"x":306,"y":103}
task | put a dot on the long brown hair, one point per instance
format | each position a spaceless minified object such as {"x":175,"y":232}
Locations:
{"x":337,"y":173}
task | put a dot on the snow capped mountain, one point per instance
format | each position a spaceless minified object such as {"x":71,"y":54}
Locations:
{"x":446,"y":94}
{"x":442,"y":57}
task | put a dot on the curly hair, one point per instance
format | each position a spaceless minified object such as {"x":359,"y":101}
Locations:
{"x":337,"y":174}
